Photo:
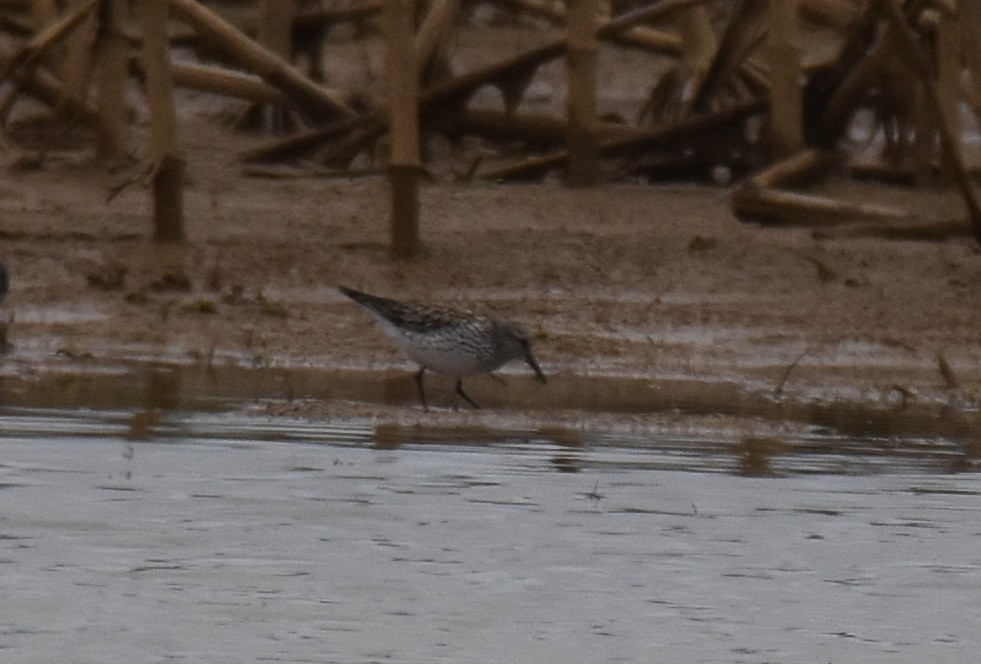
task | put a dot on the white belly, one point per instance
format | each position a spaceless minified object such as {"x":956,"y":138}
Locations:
{"x":444,"y":354}
{"x":444,"y":358}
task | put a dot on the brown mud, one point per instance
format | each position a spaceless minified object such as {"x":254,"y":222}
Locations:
{"x":645,"y":300}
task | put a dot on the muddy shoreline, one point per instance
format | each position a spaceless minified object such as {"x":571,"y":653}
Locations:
{"x":646,"y":301}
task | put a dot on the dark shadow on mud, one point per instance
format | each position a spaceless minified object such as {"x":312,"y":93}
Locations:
{"x":195,"y":387}
{"x":941,"y":435}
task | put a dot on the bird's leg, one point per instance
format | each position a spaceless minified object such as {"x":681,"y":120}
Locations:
{"x":459,"y":390}
{"x":422,"y":392}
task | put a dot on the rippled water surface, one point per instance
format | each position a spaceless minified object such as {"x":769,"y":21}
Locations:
{"x":133,"y":536}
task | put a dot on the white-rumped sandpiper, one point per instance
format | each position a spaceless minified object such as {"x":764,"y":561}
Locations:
{"x":447,"y":341}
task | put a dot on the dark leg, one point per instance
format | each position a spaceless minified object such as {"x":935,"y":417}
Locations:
{"x":422,"y":392}
{"x":459,"y":390}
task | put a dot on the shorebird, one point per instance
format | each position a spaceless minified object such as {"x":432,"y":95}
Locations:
{"x":447,"y":341}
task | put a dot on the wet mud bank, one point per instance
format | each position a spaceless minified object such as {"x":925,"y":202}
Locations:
{"x":571,"y":411}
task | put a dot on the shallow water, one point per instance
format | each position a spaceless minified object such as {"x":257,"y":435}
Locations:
{"x":154,"y":385}
{"x":141,"y":535}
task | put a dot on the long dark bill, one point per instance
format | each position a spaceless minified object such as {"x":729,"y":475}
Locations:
{"x":534,"y":365}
